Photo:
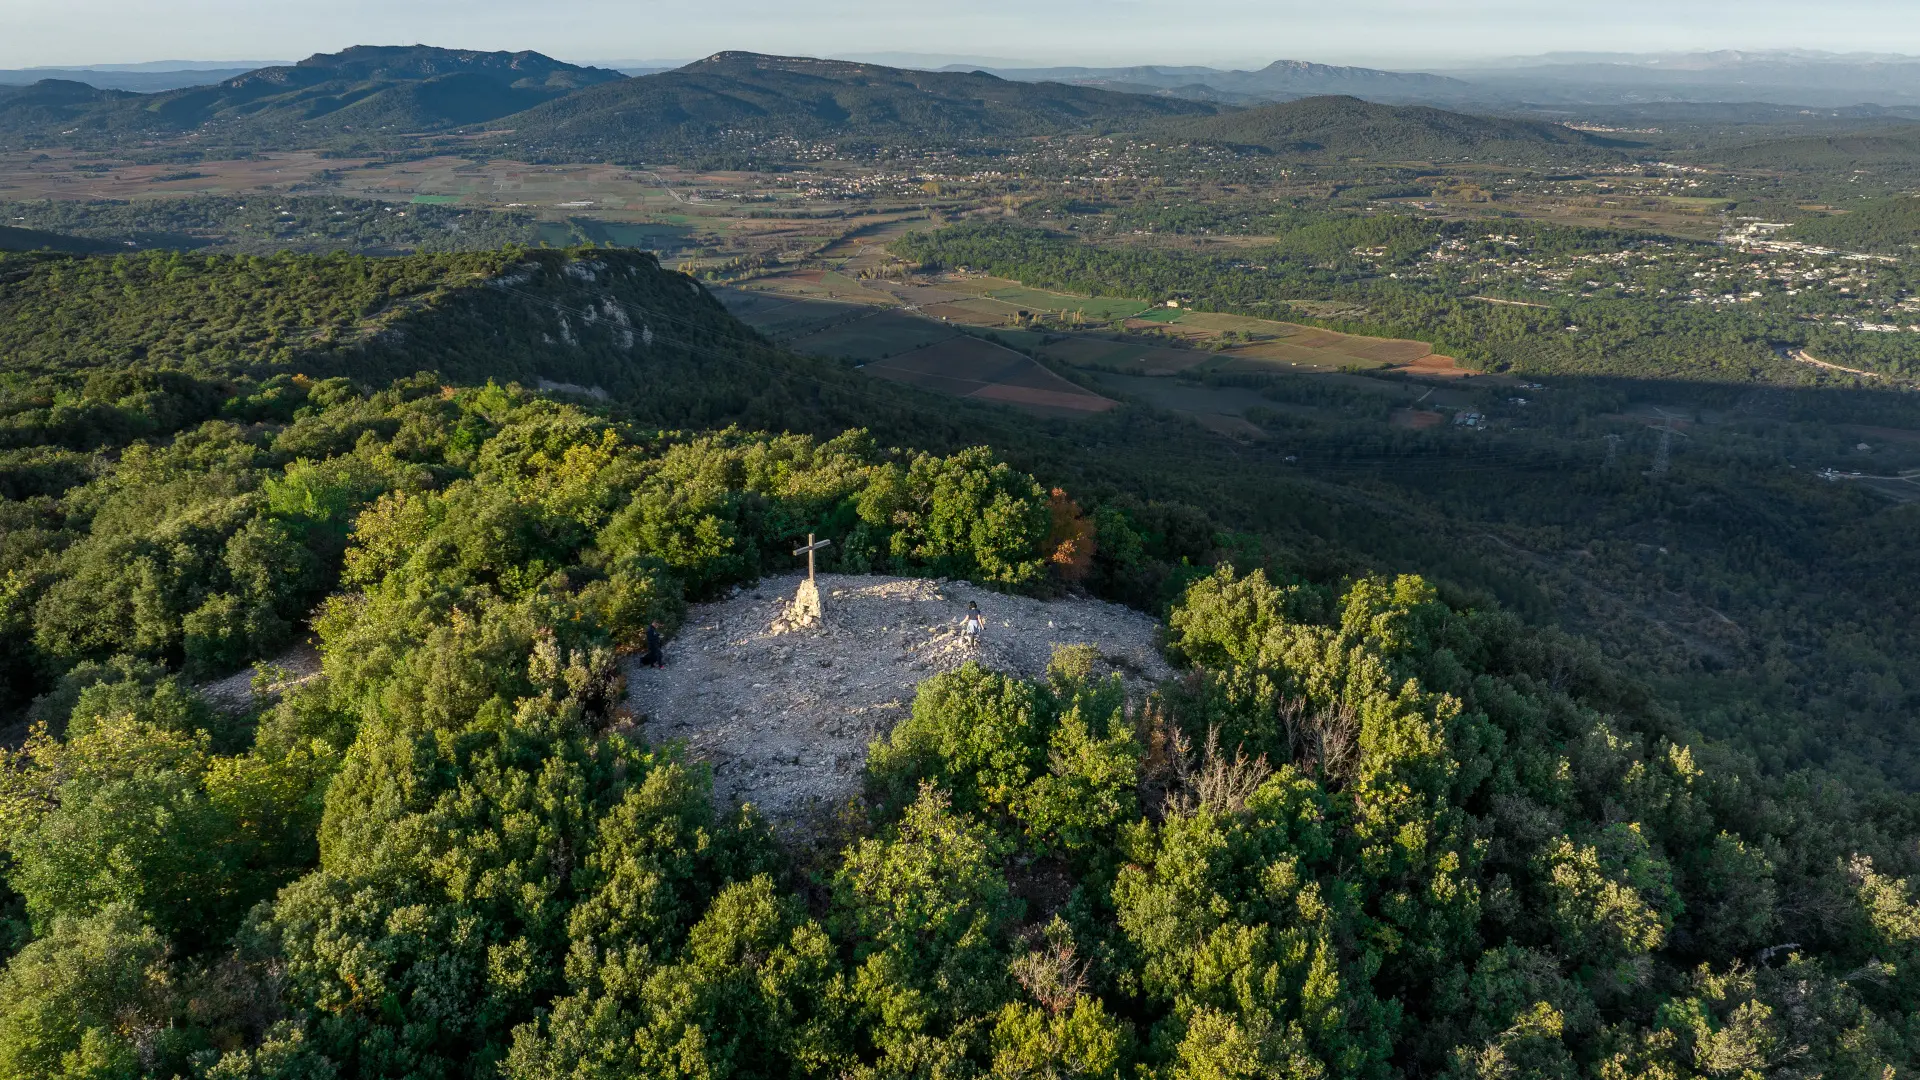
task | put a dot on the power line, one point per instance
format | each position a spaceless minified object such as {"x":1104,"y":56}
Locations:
{"x":1663,"y":453}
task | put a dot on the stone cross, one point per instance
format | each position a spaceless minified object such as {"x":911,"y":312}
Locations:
{"x":812,"y":546}
{"x":806,"y":609}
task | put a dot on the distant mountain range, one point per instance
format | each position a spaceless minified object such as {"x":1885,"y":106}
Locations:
{"x":742,"y":100}
{"x":736,"y":103}
{"x":729,"y":101}
{"x":738,"y":100}
{"x":1804,"y":78}
{"x":1281,"y":80}
{"x":1783,"y":77}
{"x":1698,"y":60}
{"x":365,"y":89}
{"x":1346,"y":127}
{"x":139,"y":78}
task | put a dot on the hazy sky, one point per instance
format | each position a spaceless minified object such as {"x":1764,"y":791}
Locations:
{"x":1408,"y":33}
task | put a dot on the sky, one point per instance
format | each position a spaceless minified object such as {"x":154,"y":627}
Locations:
{"x":1239,"y":33}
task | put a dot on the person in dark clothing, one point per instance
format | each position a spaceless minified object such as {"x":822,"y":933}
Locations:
{"x":656,"y":654}
{"x":972,"y":625}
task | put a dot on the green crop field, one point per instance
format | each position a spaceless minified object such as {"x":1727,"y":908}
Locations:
{"x":1093,"y":307}
{"x":840,"y":284}
{"x":1272,"y":354}
{"x":1132,"y":357}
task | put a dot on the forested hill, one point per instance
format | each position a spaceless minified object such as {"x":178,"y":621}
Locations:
{"x":122,"y":344}
{"x":1895,"y":151}
{"x":363,"y":91}
{"x":41,"y":109}
{"x":14,"y":238}
{"x":1887,"y":226}
{"x":1342,"y":127}
{"x":737,"y":101}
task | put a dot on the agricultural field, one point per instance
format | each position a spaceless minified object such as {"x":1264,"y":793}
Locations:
{"x":781,"y":316}
{"x":1096,"y":308}
{"x":873,"y":336}
{"x":707,"y":222}
{"x":804,"y":257}
{"x":906,"y":346}
{"x":909,"y":328}
{"x":59,"y":174}
{"x":1269,"y":343}
{"x":1219,"y":409}
{"x":1104,"y":353}
{"x":966,"y":366}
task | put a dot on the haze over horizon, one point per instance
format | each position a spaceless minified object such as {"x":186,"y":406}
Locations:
{"x":1224,"y":33}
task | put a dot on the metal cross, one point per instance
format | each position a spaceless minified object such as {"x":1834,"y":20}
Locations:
{"x":812,"y":546}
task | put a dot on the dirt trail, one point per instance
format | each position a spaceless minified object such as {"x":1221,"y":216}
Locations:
{"x":785,"y":717}
{"x":1805,"y":357}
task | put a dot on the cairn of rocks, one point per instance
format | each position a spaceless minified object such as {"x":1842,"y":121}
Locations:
{"x":804,"y":612}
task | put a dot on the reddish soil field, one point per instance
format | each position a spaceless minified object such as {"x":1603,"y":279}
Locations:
{"x":1433,"y":365}
{"x":1076,"y":401}
{"x":1417,"y":419}
{"x":1391,"y":352}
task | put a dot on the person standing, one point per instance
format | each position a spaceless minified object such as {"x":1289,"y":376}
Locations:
{"x":972,"y":624}
{"x":656,"y":654}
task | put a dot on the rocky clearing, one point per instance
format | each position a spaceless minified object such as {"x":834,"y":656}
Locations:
{"x":236,"y":692}
{"x":784,"y":715}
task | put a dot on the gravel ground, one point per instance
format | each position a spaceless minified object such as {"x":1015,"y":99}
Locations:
{"x":235,"y":692}
{"x":785,"y":715}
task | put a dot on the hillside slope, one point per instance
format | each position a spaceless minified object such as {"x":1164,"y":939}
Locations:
{"x":15,"y":238}
{"x":104,"y":350}
{"x":1887,"y":226}
{"x":1894,"y":149}
{"x":51,"y":106}
{"x":737,"y":101}
{"x":1339,"y":126}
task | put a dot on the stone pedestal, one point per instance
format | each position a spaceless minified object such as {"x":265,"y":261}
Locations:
{"x":805,"y":610}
